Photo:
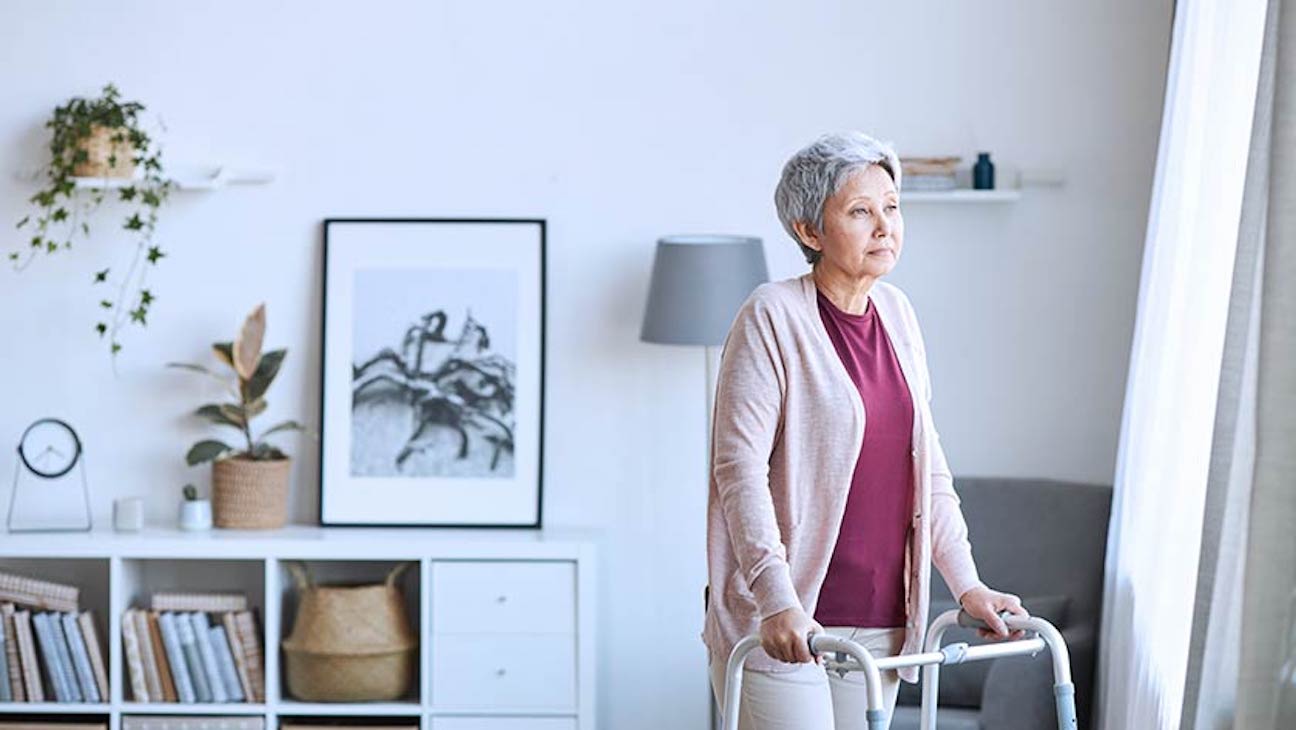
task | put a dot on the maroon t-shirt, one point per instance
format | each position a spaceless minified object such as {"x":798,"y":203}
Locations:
{"x":865,"y":582}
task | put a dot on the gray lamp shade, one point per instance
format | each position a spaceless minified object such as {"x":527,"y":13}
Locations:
{"x":698,"y":284}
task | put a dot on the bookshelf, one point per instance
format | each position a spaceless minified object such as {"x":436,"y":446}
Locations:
{"x":505,"y":619}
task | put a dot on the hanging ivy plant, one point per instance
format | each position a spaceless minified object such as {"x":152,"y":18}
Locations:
{"x":101,"y":138}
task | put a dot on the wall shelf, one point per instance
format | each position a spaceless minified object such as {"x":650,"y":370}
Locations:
{"x":184,"y":177}
{"x":505,"y":619}
{"x":960,"y":196}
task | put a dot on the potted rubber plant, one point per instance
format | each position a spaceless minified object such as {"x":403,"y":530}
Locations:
{"x":249,"y":481}
{"x":98,"y":147}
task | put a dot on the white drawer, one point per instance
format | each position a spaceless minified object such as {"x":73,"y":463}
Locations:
{"x":504,"y":597}
{"x":503,"y":723}
{"x":518,"y":672}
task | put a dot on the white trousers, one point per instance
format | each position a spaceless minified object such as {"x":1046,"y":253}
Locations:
{"x":808,"y":697}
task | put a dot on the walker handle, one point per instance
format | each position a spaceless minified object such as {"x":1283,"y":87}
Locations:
{"x":968,"y":621}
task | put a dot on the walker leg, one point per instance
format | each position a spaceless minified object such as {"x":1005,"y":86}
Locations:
{"x":1065,"y":694}
{"x":877,"y":719}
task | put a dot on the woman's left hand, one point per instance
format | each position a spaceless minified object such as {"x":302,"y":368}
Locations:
{"x":985,"y":604}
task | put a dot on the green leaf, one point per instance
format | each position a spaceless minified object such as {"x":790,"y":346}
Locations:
{"x":133,"y":223}
{"x":188,"y":366}
{"x":205,"y":451}
{"x":23,"y":222}
{"x":116,"y":348}
{"x":154,"y":253}
{"x":127,"y":193}
{"x":266,"y":452}
{"x":146,"y":297}
{"x":101,"y":276}
{"x":106,"y":304}
{"x":59,"y":215}
{"x":265,"y":373}
{"x":137,"y":315}
{"x":214,"y":413}
{"x":101,"y":328}
{"x":285,"y":426}
{"x":224,"y":352}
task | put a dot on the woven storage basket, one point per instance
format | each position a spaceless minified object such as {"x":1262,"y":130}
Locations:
{"x":349,"y":643}
{"x":249,"y":494}
{"x":99,"y":146}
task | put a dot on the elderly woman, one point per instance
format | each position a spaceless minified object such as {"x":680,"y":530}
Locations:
{"x":830,"y":496}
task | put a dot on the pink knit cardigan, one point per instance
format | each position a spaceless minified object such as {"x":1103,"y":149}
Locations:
{"x":787,"y":430}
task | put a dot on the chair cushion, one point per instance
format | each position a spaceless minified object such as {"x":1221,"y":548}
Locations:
{"x":961,"y":684}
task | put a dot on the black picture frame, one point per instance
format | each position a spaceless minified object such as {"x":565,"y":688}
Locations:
{"x":330,"y":513}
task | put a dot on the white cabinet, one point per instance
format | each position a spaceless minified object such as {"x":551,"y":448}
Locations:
{"x":503,"y":723}
{"x":504,"y":636}
{"x":505,"y":619}
{"x":508,"y":596}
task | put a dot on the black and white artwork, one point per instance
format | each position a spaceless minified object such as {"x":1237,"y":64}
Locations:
{"x":435,"y":373}
{"x":433,"y":382}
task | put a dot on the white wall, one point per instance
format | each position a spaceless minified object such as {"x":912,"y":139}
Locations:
{"x":618,"y":122}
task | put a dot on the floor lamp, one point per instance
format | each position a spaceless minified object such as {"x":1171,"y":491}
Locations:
{"x":698,"y":284}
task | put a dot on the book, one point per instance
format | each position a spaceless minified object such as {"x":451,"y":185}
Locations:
{"x":38,"y":593}
{"x":202,"y":637}
{"x":236,"y":653}
{"x":225,"y":662}
{"x":17,"y":690}
{"x":49,"y":658}
{"x":189,"y":645}
{"x":80,"y":658}
{"x":193,"y":722}
{"x":32,"y":684}
{"x":40,"y":725}
{"x":64,"y":652}
{"x":160,"y":657}
{"x":6,"y":692}
{"x":250,"y":641}
{"x":202,"y":602}
{"x":97,"y":665}
{"x":151,"y":677}
{"x":134,"y":665}
{"x":176,"y":658}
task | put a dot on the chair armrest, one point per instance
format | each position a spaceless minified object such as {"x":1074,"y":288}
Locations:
{"x":1018,"y":692}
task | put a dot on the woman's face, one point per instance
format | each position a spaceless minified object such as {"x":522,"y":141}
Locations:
{"x":863,"y":231}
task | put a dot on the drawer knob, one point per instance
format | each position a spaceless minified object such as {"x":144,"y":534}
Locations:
{"x":501,"y":599}
{"x":499,"y":672}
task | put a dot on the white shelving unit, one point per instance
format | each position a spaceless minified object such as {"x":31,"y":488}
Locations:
{"x":960,"y":196}
{"x":511,"y":646}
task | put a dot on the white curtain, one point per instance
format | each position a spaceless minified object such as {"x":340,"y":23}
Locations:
{"x":1175,"y":363}
{"x":1211,"y":684}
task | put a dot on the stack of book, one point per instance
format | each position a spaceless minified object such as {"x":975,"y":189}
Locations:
{"x":194,"y":647}
{"x":929,"y":173}
{"x":51,"y":648}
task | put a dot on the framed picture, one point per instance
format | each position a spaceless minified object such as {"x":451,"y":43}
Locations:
{"x":433,"y":372}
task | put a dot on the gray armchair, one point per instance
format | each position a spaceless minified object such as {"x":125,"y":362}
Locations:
{"x":1045,"y":541}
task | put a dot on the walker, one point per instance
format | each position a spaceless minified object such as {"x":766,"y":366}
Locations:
{"x":851,"y":657}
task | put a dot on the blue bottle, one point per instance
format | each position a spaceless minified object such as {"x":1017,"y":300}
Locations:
{"x":983,"y":172}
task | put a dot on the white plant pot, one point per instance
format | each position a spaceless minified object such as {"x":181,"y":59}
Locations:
{"x":195,"y":514}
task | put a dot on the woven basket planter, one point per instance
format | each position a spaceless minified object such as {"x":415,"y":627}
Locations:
{"x":250,"y":495}
{"x":101,"y":148}
{"x":349,"y":643}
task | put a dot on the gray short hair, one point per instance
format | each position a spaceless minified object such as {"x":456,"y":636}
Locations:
{"x":818,"y":171}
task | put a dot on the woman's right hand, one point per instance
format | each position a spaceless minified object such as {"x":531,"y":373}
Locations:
{"x":783,"y":635}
